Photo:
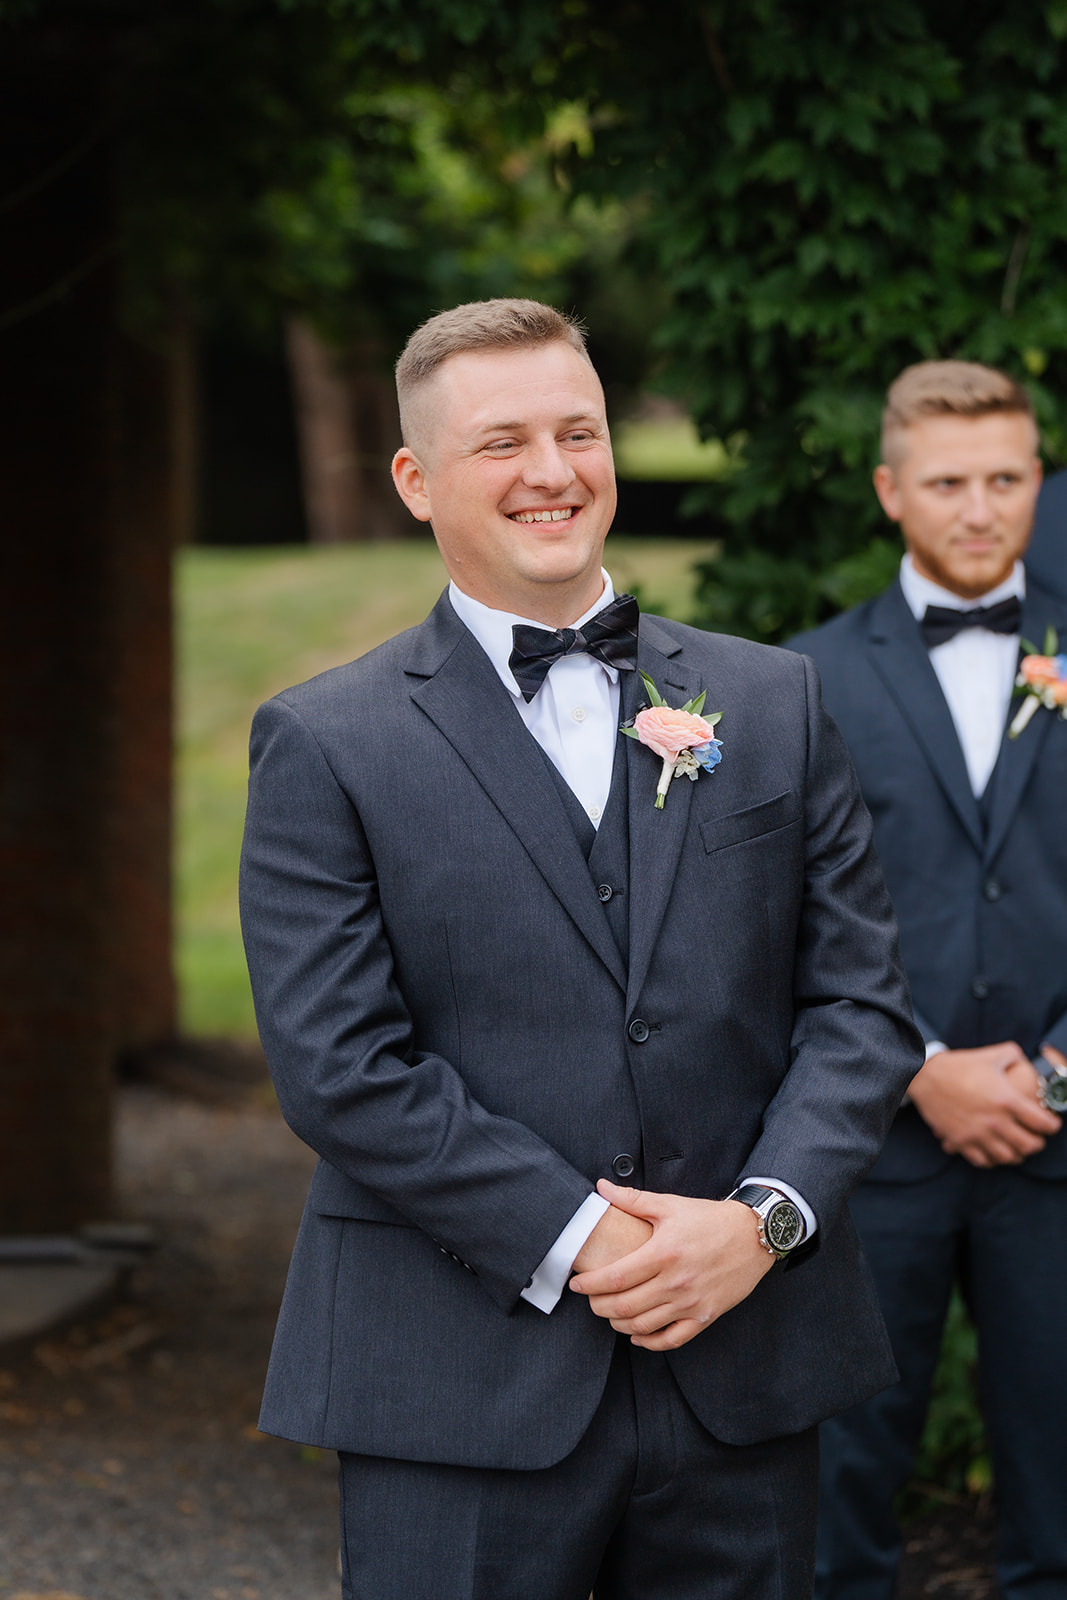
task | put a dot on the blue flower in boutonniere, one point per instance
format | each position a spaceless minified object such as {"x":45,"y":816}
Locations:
{"x":1042,"y":680}
{"x":684,"y":740}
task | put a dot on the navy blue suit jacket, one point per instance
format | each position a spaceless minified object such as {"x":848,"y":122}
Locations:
{"x":980,"y":892}
{"x":448,"y":1020}
{"x":1047,"y":557}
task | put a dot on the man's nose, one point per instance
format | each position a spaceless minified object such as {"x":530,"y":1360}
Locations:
{"x":547,"y":466}
{"x":978,"y":507}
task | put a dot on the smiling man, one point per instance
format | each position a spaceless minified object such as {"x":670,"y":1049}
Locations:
{"x":972,"y":1184}
{"x":590,"y":1080}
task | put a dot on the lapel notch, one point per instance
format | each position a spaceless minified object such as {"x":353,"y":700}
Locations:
{"x":1018,"y":757}
{"x":656,"y":837}
{"x":903,"y":663}
{"x":462,"y":695}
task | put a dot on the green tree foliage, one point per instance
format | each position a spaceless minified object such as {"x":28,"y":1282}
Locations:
{"x":350,"y":189}
{"x":825,"y":193}
{"x":360,"y":167}
{"x":832,"y":191}
{"x":836,"y":190}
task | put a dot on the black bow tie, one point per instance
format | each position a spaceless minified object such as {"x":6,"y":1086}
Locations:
{"x":610,"y":636}
{"x":941,"y":623}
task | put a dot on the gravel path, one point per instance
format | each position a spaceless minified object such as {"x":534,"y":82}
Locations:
{"x":130,"y":1463}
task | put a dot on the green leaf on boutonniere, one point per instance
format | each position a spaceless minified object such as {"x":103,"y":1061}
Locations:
{"x":653,"y":693}
{"x":1051,"y":641}
{"x":631,"y":733}
{"x":1028,"y":649}
{"x":716,"y":717}
{"x":695,"y":707}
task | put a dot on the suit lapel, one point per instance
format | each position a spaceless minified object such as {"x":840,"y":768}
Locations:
{"x":1017,"y":757}
{"x":655,"y":836}
{"x":902,"y":661}
{"x":461,"y":693}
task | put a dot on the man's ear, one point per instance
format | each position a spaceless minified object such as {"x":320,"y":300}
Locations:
{"x":409,"y":476}
{"x":885,"y":487}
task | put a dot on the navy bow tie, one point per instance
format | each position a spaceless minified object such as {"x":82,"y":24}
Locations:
{"x":941,"y":623}
{"x":610,"y":636}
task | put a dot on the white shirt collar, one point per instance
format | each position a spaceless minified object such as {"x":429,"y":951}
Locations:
{"x":492,"y":629}
{"x":920,"y":592}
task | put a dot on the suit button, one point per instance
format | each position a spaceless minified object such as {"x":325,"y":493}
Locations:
{"x":980,"y":988}
{"x":992,"y":889}
{"x":639,"y":1031}
{"x":604,"y":892}
{"x":623,"y":1166}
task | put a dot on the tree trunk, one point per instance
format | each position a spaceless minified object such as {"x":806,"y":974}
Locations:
{"x":376,"y":440}
{"x":148,"y":496}
{"x":324,"y":427}
{"x":84,"y":645}
{"x":349,"y":431}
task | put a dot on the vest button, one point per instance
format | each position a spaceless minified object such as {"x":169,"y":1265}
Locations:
{"x":992,"y":890}
{"x":639,"y":1031}
{"x":604,"y":892}
{"x":623,"y":1166}
{"x":980,"y":988}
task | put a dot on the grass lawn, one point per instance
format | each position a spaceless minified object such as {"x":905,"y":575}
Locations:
{"x":251,"y":622}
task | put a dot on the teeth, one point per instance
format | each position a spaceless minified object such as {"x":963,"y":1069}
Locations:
{"x":544,"y":516}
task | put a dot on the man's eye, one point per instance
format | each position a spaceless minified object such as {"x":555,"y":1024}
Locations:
{"x":499,"y":446}
{"x":583,"y":436}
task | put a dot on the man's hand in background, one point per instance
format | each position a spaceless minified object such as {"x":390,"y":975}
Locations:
{"x":983,"y":1104}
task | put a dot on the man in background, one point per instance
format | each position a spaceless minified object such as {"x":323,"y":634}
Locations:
{"x":971,"y":1186}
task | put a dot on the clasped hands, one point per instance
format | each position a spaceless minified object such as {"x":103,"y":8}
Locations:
{"x":985,"y":1104}
{"x":661,"y":1267}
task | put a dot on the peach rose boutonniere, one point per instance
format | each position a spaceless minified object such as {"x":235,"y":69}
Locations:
{"x":683,"y":739}
{"x":1042,"y":681}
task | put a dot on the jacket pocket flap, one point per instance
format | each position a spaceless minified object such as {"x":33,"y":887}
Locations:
{"x":737,"y":826}
{"x":333,"y":1195}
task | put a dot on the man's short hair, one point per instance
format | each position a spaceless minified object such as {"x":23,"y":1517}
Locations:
{"x":478,"y":325}
{"x":949,"y":389}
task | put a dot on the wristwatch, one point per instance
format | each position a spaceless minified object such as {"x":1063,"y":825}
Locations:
{"x":781,"y":1226}
{"x":1053,"y":1091}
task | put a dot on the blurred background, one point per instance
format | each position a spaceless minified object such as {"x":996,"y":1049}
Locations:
{"x":219,"y":219}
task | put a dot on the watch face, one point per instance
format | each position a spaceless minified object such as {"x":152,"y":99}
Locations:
{"x":784,"y":1226}
{"x":1055,"y":1094}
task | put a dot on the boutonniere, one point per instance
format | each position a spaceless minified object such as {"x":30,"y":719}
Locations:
{"x":1042,"y":681}
{"x":684,"y":740}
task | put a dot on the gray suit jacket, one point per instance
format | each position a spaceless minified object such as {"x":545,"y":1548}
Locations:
{"x":979,"y":889}
{"x":447,"y":1018}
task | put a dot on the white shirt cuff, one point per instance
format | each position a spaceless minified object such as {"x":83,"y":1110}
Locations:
{"x":548,"y":1282}
{"x":790,"y":1193}
{"x":935,"y":1048}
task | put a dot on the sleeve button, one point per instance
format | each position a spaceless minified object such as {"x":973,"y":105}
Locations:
{"x":639,"y":1030}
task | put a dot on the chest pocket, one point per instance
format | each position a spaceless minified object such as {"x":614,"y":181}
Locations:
{"x":739,"y":826}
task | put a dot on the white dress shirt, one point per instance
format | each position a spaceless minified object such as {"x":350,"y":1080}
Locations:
{"x":976,"y":671}
{"x":574,"y":717}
